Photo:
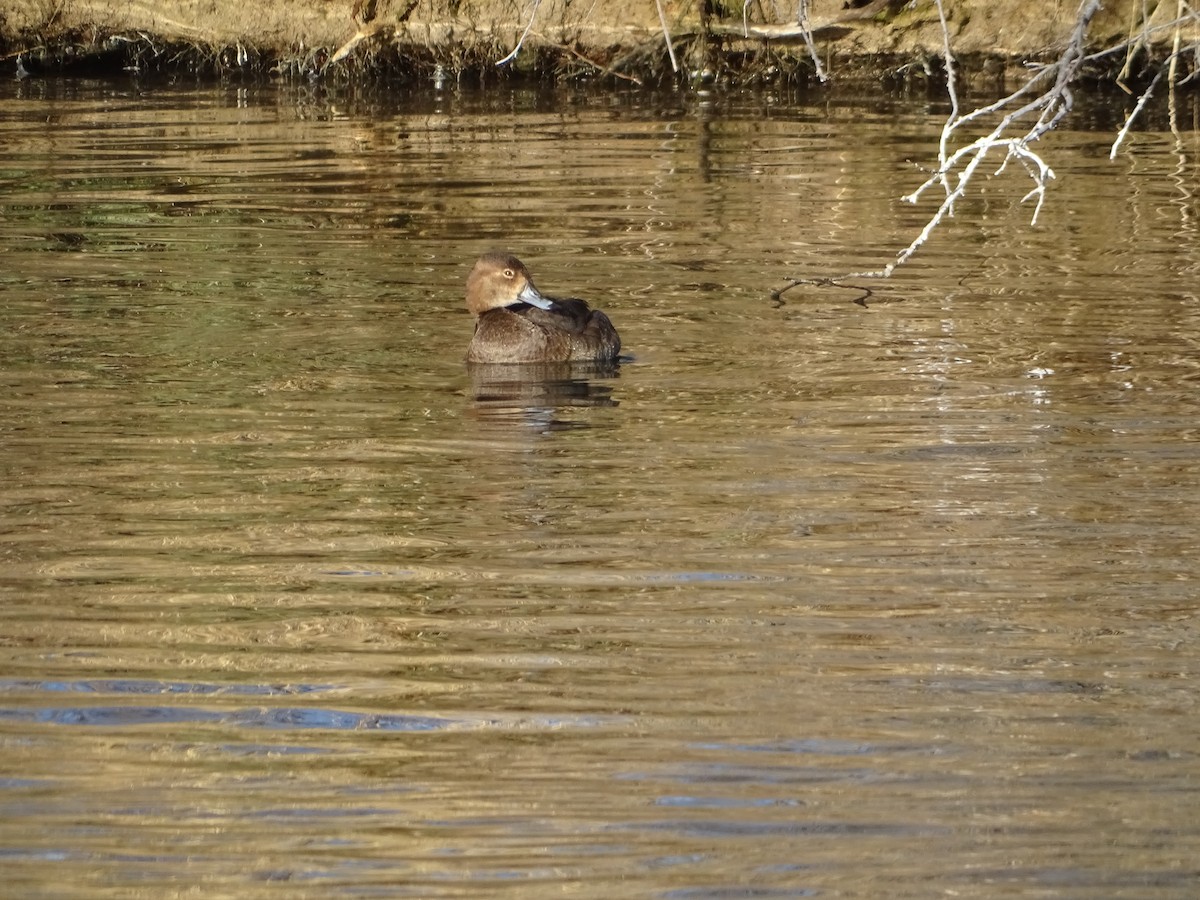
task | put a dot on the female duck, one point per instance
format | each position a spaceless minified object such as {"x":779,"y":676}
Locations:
{"x":515,"y":324}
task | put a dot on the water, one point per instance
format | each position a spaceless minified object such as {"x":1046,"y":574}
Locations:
{"x":804,"y":599}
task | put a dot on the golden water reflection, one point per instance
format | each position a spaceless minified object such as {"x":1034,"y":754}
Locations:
{"x":297,"y":604}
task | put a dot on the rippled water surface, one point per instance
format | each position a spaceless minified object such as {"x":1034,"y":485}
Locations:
{"x":804,"y":599}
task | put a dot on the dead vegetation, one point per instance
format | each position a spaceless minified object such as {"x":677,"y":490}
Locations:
{"x":706,"y":41}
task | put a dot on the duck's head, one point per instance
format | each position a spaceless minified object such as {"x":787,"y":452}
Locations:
{"x":498,"y":280}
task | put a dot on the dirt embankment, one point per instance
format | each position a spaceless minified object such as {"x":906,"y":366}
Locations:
{"x":615,"y":38}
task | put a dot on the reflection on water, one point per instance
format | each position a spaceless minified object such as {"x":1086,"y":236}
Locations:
{"x":297,"y":604}
{"x":531,"y":394}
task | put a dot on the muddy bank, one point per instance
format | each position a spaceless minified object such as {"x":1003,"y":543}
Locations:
{"x":619,"y":39}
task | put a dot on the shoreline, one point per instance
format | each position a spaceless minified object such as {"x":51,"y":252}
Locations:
{"x":351,"y":40}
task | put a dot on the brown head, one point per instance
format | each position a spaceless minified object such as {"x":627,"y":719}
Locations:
{"x":499,"y":280}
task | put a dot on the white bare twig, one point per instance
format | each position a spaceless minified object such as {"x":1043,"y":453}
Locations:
{"x":662,"y":18}
{"x":802,"y":21}
{"x":1141,"y":104}
{"x":1183,"y":14}
{"x":524,"y":34}
{"x":1048,"y":94}
{"x":805,"y":33}
{"x":957,"y":166}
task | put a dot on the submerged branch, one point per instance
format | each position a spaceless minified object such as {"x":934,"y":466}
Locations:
{"x":861,"y":299}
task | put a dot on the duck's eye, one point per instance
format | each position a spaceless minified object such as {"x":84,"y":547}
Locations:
{"x":509,"y":273}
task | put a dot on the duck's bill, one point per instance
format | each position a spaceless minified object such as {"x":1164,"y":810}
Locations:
{"x":531,"y":296}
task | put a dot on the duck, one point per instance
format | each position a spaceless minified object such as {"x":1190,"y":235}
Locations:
{"x":515,"y":323}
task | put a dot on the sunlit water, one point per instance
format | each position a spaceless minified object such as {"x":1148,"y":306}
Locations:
{"x":804,"y":599}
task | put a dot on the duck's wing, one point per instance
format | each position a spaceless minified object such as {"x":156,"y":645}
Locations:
{"x":585,"y":333}
{"x":599,"y":339}
{"x":569,"y":315}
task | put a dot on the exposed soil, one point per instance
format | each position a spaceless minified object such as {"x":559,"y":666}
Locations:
{"x":621,"y":39}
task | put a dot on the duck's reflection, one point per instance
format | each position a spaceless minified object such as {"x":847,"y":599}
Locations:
{"x":533,"y":394}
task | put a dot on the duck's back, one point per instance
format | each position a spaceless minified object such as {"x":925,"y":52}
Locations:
{"x":570,"y":331}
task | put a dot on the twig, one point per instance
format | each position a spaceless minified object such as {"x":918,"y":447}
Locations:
{"x":951,"y":88}
{"x":1047,"y":94}
{"x":367,"y":32}
{"x":861,"y":299}
{"x":662,"y":18}
{"x":16,"y":53}
{"x":957,"y":168}
{"x":591,"y":62}
{"x":1121,"y":135}
{"x":521,"y":40}
{"x":802,"y":22}
{"x":1171,"y":70}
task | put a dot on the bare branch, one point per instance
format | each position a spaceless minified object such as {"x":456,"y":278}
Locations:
{"x":1116,"y":144}
{"x":802,"y":21}
{"x":591,"y":62}
{"x":1183,"y":15}
{"x":524,"y":34}
{"x":958,"y":166}
{"x":662,"y":18}
{"x":1037,"y":107}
